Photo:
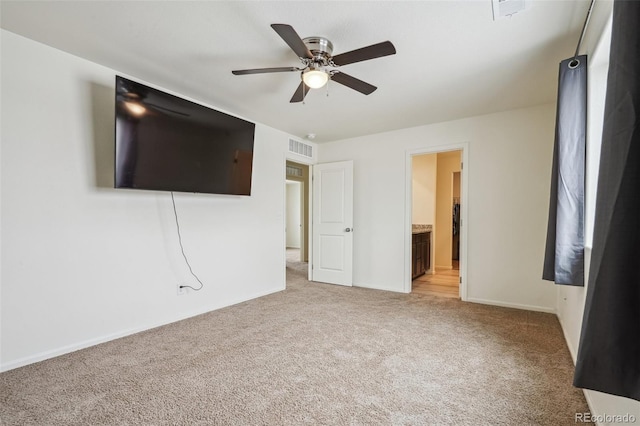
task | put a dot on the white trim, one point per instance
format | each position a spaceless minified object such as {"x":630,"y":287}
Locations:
{"x":572,"y":349}
{"x":106,"y":338}
{"x":574,"y":357}
{"x":310,"y":224}
{"x":299,"y":158}
{"x":284,"y":217}
{"x":464,"y":187}
{"x":592,"y":410}
{"x":513,"y":305}
{"x":381,"y":288}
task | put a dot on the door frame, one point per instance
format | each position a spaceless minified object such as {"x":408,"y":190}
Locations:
{"x":464,"y":208}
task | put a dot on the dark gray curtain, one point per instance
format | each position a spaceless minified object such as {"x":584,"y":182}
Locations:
{"x":564,"y":252}
{"x":609,"y":353}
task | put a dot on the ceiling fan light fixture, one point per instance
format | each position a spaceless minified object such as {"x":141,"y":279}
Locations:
{"x":315,"y":78}
{"x":316,"y":54}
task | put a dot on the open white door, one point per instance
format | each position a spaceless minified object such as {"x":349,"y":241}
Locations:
{"x":333,"y":223}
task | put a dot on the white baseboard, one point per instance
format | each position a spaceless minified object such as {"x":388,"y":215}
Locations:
{"x":590,"y":405}
{"x":573,"y":351}
{"x":513,"y":305}
{"x":21,"y":362}
{"x":574,"y":357}
{"x":383,"y":288}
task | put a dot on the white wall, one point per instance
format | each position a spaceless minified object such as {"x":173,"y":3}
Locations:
{"x":294,"y":215}
{"x":571,"y":300}
{"x":84,"y":263}
{"x":509,"y":168}
{"x":424,"y":173}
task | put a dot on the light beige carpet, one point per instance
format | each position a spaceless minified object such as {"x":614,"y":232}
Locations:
{"x":314,"y":354}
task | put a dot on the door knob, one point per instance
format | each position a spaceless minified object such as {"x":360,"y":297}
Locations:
{"x":348,"y":230}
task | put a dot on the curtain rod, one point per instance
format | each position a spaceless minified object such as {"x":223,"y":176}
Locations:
{"x":584,"y":29}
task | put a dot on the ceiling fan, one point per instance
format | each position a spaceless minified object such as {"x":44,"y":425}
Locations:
{"x":319,"y":64}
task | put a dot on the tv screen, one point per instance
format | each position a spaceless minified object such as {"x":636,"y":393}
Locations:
{"x":167,"y":143}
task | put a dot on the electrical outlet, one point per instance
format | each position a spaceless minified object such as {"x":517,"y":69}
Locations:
{"x":181,"y":290}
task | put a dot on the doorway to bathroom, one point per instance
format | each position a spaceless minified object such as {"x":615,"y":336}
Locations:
{"x":436,"y":223}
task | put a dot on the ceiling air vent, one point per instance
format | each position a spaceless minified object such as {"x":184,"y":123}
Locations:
{"x":300,"y":148}
{"x":507,"y":8}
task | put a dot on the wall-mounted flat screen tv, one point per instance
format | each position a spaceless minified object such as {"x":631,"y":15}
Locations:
{"x":167,"y":143}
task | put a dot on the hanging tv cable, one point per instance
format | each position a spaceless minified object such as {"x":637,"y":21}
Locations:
{"x":175,"y":213}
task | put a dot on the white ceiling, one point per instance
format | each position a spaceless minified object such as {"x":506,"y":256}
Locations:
{"x":452,"y":59}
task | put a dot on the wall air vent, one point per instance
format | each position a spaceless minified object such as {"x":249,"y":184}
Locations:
{"x":508,"y":8}
{"x":300,"y":148}
{"x":294,"y":171}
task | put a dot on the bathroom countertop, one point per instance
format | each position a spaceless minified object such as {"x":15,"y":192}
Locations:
{"x":418,"y":229}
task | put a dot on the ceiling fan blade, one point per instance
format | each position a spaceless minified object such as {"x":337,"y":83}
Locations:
{"x":264,"y":70}
{"x":365,"y":53}
{"x":300,"y":93}
{"x":353,"y":83}
{"x":291,"y":37}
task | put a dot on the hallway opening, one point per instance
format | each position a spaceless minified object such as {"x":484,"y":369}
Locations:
{"x":297,"y":215}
